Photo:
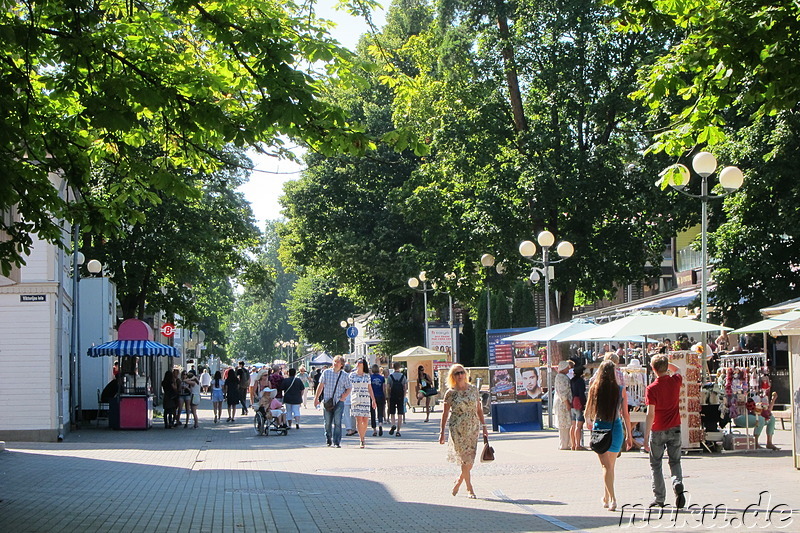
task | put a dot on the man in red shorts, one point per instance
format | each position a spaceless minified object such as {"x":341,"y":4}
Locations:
{"x":663,"y":429}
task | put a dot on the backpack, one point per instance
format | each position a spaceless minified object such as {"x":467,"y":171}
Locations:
{"x":396,"y":391}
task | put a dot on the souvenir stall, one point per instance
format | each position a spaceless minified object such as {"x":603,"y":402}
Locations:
{"x":132,"y":405}
{"x":741,"y":376}
{"x":431,"y":361}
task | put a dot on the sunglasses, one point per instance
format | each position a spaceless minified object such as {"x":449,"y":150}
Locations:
{"x":459,"y":372}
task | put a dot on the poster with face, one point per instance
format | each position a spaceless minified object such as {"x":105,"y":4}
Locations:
{"x":528,"y":385}
{"x":503,"y":387}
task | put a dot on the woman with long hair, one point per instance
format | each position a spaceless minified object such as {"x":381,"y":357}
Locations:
{"x":217,"y":396}
{"x":170,"y":402}
{"x":363,"y":398}
{"x":463,"y":409}
{"x":606,"y":408}
{"x":231,"y":390}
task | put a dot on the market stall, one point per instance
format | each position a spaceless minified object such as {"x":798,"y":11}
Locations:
{"x":432,"y":362}
{"x":131,"y":406}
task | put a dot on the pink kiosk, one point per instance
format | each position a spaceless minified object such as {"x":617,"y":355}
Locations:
{"x":132,"y":406}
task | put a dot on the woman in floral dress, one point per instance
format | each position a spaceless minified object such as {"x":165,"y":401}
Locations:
{"x":362,"y":397}
{"x":463,"y":407}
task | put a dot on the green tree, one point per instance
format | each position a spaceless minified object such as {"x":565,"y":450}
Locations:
{"x":86,"y":84}
{"x":756,"y":248}
{"x":523,"y":310}
{"x":180,"y":258}
{"x":316,"y":309}
{"x":572,"y":166}
{"x":732,"y":60}
{"x":260,"y":317}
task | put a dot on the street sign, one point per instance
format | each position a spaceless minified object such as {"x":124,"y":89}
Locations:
{"x":352,"y":332}
{"x":168,"y":330}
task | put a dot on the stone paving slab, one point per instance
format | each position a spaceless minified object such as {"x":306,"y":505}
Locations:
{"x":223,"y":478}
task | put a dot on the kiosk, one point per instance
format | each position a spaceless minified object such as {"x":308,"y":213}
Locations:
{"x":132,"y":405}
{"x":431,"y":361}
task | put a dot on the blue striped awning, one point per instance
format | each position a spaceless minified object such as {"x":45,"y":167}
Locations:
{"x":137,"y":348}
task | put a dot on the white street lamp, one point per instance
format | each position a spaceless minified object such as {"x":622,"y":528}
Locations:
{"x":731,"y":179}
{"x":414,"y":284}
{"x":565,"y":250}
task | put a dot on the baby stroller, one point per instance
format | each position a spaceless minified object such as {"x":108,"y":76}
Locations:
{"x":266,"y":419}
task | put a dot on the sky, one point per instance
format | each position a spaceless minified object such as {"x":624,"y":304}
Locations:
{"x":266,"y":182}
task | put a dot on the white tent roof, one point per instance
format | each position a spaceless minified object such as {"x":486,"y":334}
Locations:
{"x":787,"y":328}
{"x":552,"y":333}
{"x":770,"y":323}
{"x":418,"y":352}
{"x":645,"y":324}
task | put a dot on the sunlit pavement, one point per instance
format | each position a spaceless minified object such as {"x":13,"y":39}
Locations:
{"x":222,"y":477}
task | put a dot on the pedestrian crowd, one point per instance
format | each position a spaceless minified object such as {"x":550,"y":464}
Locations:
{"x":355,"y":398}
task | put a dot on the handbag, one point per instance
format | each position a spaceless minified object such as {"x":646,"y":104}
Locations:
{"x":487,"y":455}
{"x":576,"y":403}
{"x":600,"y":441}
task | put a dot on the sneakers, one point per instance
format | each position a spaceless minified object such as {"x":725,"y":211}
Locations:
{"x":297,"y":426}
{"x":374,"y":433}
{"x":680,"y":498}
{"x":391,"y":431}
{"x":380,"y":431}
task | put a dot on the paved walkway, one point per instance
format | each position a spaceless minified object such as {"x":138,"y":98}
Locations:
{"x":223,"y":478}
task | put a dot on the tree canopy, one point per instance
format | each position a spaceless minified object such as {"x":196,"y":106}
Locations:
{"x":84,"y":84}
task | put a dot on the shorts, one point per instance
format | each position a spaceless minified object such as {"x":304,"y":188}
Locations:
{"x":292,"y":410}
{"x":184,"y":398}
{"x":217,"y":396}
{"x":576,"y":415}
{"x":276,"y":412}
{"x":397,"y":406}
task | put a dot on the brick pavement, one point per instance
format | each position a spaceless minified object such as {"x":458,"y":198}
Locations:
{"x":221,"y":477}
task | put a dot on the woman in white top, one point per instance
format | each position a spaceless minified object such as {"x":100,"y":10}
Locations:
{"x":363,"y":399}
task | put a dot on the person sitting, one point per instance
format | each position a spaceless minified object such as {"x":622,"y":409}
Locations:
{"x":270,"y":403}
{"x":758,"y":416}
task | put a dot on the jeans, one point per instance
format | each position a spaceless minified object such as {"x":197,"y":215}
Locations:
{"x":334,"y":418}
{"x":671,"y":440}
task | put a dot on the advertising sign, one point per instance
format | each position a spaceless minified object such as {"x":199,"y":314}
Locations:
{"x":440,"y":339}
{"x":503,"y":387}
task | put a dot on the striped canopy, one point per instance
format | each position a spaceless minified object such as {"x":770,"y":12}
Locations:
{"x":137,"y":348}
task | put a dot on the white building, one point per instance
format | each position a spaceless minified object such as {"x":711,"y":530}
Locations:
{"x":35,"y":322}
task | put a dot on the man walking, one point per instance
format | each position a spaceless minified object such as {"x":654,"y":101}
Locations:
{"x":663,"y":429}
{"x":334,"y":384}
{"x":398,"y":386}
{"x":244,"y":385}
{"x":378,"y":383}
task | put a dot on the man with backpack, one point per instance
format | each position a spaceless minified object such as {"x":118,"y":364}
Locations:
{"x":398,"y":386}
{"x":244,"y":384}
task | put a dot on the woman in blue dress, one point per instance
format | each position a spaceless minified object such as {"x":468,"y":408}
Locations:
{"x":605,"y":407}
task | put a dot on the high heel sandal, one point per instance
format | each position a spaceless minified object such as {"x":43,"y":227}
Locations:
{"x":613,"y":505}
{"x":605,"y":503}
{"x":471,"y":495}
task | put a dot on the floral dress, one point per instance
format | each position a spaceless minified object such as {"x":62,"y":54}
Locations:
{"x":361,"y":401}
{"x":463,"y":424}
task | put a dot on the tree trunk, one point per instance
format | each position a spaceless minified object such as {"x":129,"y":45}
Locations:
{"x":510,"y":67}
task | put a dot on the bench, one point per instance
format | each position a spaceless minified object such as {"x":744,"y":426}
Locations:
{"x":784,"y":416}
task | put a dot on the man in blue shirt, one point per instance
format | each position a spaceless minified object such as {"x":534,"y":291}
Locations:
{"x":334,"y":385}
{"x":378,"y":390}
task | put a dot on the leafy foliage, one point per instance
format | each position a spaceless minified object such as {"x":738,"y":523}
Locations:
{"x":88,"y":84}
{"x":731,"y":58}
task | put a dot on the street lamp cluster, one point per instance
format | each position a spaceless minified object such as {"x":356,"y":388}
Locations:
{"x":287,"y":348}
{"x":422,"y":278}
{"x":731,"y":179}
